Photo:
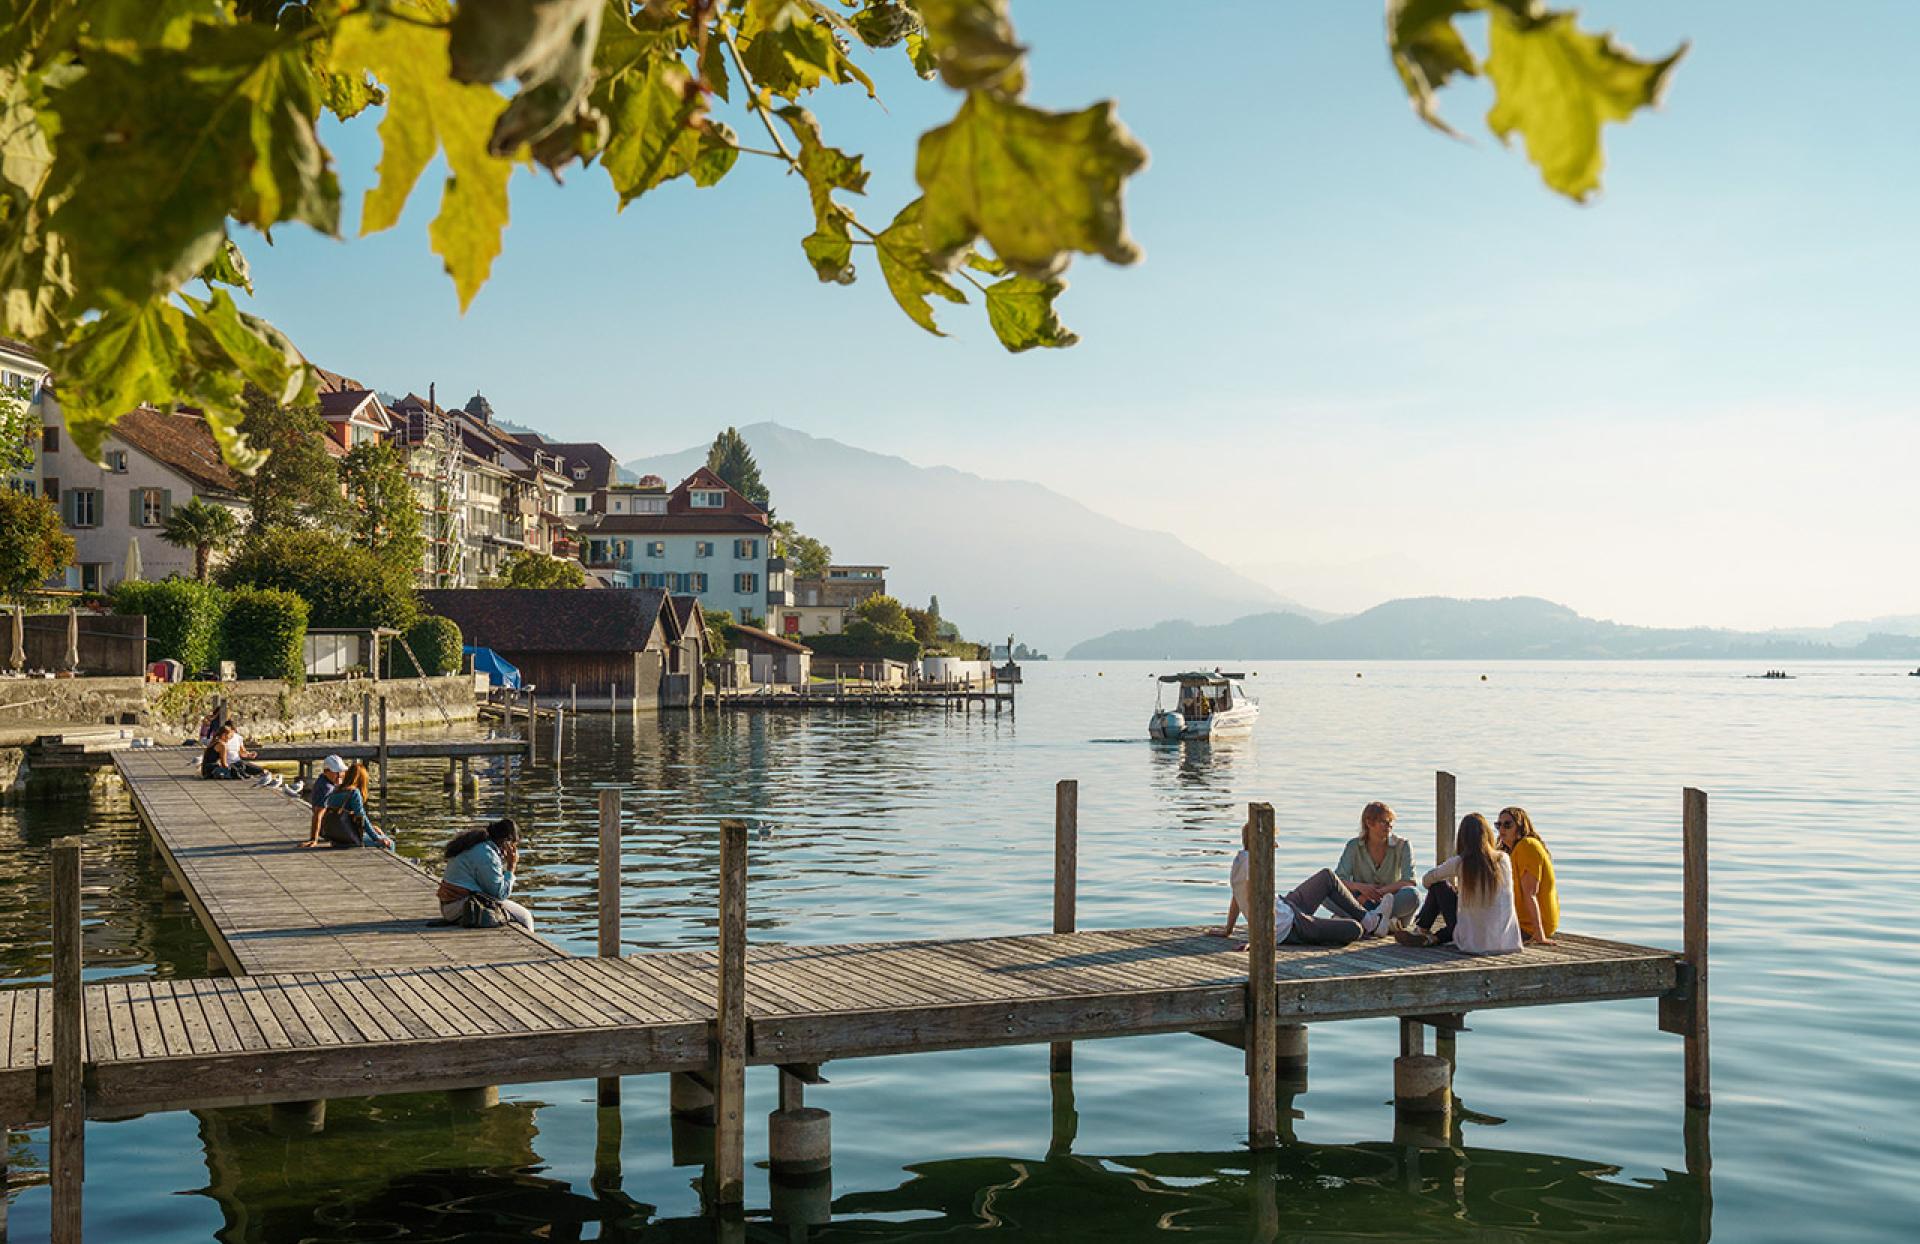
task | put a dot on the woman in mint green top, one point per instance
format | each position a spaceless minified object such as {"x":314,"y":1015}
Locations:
{"x":1378,"y":865}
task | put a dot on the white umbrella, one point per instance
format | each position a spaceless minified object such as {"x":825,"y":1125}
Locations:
{"x":133,"y":560}
{"x":73,"y":638}
{"x":19,"y":658}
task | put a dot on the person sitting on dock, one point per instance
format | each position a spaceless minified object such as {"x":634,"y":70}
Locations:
{"x":235,"y":759}
{"x":1477,"y":917}
{"x":1378,"y":865}
{"x":479,"y":878}
{"x":1295,"y":918}
{"x":339,"y":801}
{"x":1536,"y":898}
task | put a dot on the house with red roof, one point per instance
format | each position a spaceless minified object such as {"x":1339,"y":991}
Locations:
{"x":706,"y":540}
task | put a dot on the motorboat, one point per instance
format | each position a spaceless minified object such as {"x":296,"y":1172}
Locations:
{"x":1207,"y":705}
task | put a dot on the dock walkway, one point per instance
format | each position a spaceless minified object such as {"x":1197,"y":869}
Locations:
{"x":342,"y":989}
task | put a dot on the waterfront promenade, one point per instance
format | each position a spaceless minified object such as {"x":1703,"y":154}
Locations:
{"x":344,"y":990}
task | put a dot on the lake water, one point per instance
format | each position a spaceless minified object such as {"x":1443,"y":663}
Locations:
{"x":930,"y":824}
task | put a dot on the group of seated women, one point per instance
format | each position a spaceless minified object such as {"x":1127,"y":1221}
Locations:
{"x":1493,"y":895}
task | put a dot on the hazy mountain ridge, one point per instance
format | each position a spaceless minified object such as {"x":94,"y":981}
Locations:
{"x":1441,"y":628}
{"x":1004,"y":556}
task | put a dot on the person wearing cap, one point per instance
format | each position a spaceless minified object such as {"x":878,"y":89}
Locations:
{"x":340,"y":808}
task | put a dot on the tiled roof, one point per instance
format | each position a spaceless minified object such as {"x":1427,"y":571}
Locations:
{"x":684,"y":608}
{"x":333,"y":382}
{"x":511,"y":620}
{"x":182,"y":442}
{"x":765,"y":639}
{"x":716,"y":523}
{"x":602,"y":468}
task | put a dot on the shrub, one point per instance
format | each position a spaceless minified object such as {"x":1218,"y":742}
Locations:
{"x":264,"y":633}
{"x":886,"y":613}
{"x":436,"y":641}
{"x":527,"y":569}
{"x":863,"y":639}
{"x":183,"y":619}
{"x":342,"y":585}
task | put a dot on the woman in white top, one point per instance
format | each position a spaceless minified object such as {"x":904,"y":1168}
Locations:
{"x":1472,"y":892}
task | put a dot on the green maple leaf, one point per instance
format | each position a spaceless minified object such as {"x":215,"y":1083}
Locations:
{"x":654,"y":136}
{"x":827,"y":169}
{"x":911,"y":277}
{"x":971,"y":43}
{"x":1036,"y":185}
{"x":155,"y":153}
{"x":428,"y":112}
{"x":1556,"y":85}
{"x":115,"y":362}
{"x":1020,"y":309}
{"x":789,"y":47}
{"x":1428,"y":50}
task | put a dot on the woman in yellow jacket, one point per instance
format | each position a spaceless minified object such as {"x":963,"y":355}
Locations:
{"x":1535,"y":897}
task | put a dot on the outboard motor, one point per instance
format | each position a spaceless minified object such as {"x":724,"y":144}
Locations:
{"x":1167,"y":723}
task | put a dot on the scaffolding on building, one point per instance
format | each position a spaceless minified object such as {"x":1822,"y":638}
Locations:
{"x":434,"y":463}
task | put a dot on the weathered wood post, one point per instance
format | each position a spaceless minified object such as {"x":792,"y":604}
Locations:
{"x":730,"y":1023}
{"x":383,"y":750}
{"x":1262,"y":1001}
{"x":609,"y":905}
{"x":366,"y":717}
{"x":1066,"y":873}
{"x":573,"y":696}
{"x":1444,"y":823}
{"x":1694,"y":908}
{"x":66,"y":1161}
{"x":533,"y":748}
{"x":559,"y":735}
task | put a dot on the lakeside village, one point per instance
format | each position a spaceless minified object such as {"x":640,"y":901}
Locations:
{"x":396,"y":543}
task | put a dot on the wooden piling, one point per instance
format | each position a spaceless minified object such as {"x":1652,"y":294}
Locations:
{"x":383,"y":750}
{"x":730,"y":1044}
{"x":66,"y":1162}
{"x":533,"y":707}
{"x":1262,"y":1001}
{"x":1066,"y":870}
{"x":1694,"y":906}
{"x":609,"y":887}
{"x":1444,"y":821}
{"x":366,"y":716}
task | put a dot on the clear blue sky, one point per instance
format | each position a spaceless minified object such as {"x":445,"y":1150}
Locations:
{"x":1359,"y":358}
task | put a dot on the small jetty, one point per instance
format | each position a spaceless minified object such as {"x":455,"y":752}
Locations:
{"x":865,"y":695}
{"x":340,"y":985}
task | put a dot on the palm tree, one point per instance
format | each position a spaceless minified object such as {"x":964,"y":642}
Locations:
{"x":199,"y":526}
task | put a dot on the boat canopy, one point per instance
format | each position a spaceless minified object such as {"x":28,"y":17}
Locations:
{"x":1210,"y":678}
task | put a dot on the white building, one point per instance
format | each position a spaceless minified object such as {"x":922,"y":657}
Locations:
{"x":153,"y":462}
{"x":706,"y":540}
{"x":21,"y":374}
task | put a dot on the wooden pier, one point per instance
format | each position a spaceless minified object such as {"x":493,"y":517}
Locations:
{"x":347,"y":992}
{"x":868,"y":695}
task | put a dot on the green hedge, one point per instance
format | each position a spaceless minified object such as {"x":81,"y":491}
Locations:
{"x":343,"y":585}
{"x":183,"y":619}
{"x":863,"y":639}
{"x":436,"y":641}
{"x":265,"y":632}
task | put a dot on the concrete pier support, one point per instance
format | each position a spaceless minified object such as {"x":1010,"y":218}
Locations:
{"x":690,"y":1097}
{"x":800,"y":1140}
{"x":170,"y":884}
{"x":297,"y":1118}
{"x":801,"y":1200}
{"x":1422,"y":1084}
{"x":483,"y":1098}
{"x":1290,"y":1056}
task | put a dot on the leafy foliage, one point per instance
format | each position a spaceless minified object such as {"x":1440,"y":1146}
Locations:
{"x":136,"y":135}
{"x":19,"y":433}
{"x":297,"y":485}
{"x":527,"y":569}
{"x":732,"y":460}
{"x":383,"y":515}
{"x":436,"y":641}
{"x":807,"y":558}
{"x":886,"y":613}
{"x":203,"y":527}
{"x":33,"y":548}
{"x":184,"y":618}
{"x":863,"y":639}
{"x":342,"y":585}
{"x":264,"y":633}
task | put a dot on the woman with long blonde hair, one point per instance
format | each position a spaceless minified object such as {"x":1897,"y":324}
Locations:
{"x":1472,"y":892}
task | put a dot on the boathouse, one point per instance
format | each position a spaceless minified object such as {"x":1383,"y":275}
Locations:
{"x":599,"y":649}
{"x":686,"y":653}
{"x":772,"y":659}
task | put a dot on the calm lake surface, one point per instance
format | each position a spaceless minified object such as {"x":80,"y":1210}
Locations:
{"x":929,"y":824}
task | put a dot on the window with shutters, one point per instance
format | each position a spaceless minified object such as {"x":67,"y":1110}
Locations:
{"x":703,"y":548}
{"x":746,"y":550}
{"x":83,"y":507}
{"x":746,"y":584}
{"x":117,"y":461}
{"x":150,"y":506}
{"x":696,"y":583}
{"x":656,"y":548}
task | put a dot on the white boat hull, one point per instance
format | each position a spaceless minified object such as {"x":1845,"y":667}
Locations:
{"x":1234,"y":721}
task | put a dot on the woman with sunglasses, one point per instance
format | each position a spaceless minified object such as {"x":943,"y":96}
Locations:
{"x":1535,"y":897}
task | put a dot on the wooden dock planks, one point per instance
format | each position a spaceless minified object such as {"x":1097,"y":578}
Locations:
{"x":271,"y":906}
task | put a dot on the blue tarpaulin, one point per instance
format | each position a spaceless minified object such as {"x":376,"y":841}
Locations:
{"x":499,"y":673}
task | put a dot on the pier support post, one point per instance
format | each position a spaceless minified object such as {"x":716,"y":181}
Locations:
{"x":690,"y":1097}
{"x":1066,"y":875}
{"x":1290,"y":1056}
{"x":609,"y":896}
{"x":1444,"y":823}
{"x":366,"y":717}
{"x":799,"y":1137}
{"x":469,"y":785}
{"x":1066,"y":1116}
{"x":1262,"y":1001}
{"x":730,"y":1023}
{"x":481,"y":1097}
{"x":66,"y":1159}
{"x":533,"y":744}
{"x":1422,"y":1082}
{"x":452,"y":780}
{"x":383,"y":751}
{"x":1694,"y":907}
{"x":297,"y":1118}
